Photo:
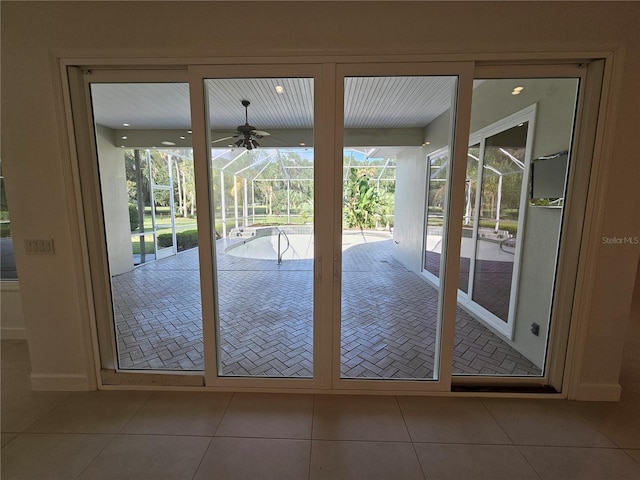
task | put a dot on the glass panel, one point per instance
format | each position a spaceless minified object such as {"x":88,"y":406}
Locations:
{"x":468,"y":219}
{"x":157,"y":312}
{"x":262,"y":167}
{"x":500,"y":194}
{"x":390,"y":319}
{"x":437,"y":174}
{"x":516,"y":176}
{"x":7,"y":256}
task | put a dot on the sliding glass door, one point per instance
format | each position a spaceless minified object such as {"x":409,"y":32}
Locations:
{"x":391,"y":320}
{"x":337,"y":226}
{"x":262,"y":163}
{"x":149,"y":212}
{"x":517,"y":171}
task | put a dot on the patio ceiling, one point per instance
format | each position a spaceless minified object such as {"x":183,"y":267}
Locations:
{"x":388,"y":104}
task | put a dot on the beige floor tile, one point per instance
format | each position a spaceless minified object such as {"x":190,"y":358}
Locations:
{"x":549,"y":422}
{"x":50,"y":457}
{"x":621,"y":421}
{"x":340,"y":417}
{"x":148,"y":457}
{"x":333,"y":460}
{"x":92,"y":412}
{"x":7,"y":438}
{"x":451,"y":420}
{"x":15,"y":356}
{"x":478,"y":462}
{"x":255,"y":458}
{"x":180,"y":413}
{"x":635,"y":454}
{"x":268,"y":415}
{"x":20,"y":406}
{"x":569,"y":463}
{"x":630,"y":372}
{"x":633,"y":388}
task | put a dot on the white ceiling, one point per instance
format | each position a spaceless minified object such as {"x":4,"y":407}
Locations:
{"x":370,"y":102}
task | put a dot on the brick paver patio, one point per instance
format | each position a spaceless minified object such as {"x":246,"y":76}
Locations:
{"x":388,"y":328}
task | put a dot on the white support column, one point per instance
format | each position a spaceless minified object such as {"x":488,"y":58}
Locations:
{"x":172,"y":205}
{"x":245,"y":204}
{"x":235,"y":200}
{"x":288,"y":202}
{"x":253,"y":201}
{"x":498,"y":203}
{"x":223,"y":205}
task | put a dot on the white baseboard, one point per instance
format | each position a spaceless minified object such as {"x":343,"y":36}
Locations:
{"x":13,"y":333}
{"x":596,"y":392}
{"x":61,"y":382}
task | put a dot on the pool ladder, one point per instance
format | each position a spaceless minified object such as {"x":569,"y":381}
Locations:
{"x":281,"y":233}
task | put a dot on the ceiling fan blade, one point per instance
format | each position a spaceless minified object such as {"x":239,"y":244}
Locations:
{"x":221,"y":139}
{"x":261,"y":133}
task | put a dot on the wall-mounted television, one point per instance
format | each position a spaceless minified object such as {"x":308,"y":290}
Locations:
{"x":548,"y":176}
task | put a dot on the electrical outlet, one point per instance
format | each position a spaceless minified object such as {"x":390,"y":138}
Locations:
{"x":535,"y":329}
{"x":39,"y":247}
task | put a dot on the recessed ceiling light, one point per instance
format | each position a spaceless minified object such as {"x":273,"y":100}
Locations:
{"x":126,"y":125}
{"x":124,"y":137}
{"x":426,"y":143}
{"x":182,"y":137}
{"x":517,"y":90}
{"x":168,"y":143}
{"x":279,"y":89}
{"x":189,"y":131}
{"x":302,"y":144}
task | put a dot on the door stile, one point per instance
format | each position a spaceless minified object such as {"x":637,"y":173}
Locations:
{"x":206,"y":250}
{"x":325,"y":188}
{"x":453,"y":226}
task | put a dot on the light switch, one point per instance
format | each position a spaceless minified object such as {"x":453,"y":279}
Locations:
{"x":39,"y":247}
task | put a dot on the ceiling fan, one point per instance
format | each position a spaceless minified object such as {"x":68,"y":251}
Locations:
{"x":246,"y":134}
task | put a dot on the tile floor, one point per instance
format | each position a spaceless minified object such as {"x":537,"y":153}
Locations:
{"x":202,"y":435}
{"x":388,"y":330}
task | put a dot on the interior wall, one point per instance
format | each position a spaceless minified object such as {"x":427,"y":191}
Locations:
{"x":35,"y":152}
{"x":115,"y":202}
{"x":11,"y":316}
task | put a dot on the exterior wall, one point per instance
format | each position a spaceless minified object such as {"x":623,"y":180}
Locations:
{"x":113,"y":183}
{"x":35,"y":150}
{"x":408,"y":230}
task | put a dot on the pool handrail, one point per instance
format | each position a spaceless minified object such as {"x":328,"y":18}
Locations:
{"x":280,"y":254}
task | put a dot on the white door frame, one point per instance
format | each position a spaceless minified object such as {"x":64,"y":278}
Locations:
{"x":329,"y":146}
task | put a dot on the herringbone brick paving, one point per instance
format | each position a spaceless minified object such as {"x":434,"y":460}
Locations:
{"x":388,"y":328}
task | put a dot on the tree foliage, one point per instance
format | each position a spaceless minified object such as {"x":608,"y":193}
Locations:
{"x":362,"y":205}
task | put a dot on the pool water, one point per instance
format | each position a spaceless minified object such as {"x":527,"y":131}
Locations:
{"x":300,"y":245}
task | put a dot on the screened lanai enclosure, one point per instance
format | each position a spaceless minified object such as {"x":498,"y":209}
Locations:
{"x":263,"y":198}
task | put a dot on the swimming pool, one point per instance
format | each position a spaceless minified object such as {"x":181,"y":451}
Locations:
{"x":265,"y":246}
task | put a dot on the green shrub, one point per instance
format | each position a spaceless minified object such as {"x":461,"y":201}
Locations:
{"x":5,"y":230}
{"x":133,"y":217}
{"x":186,"y":239}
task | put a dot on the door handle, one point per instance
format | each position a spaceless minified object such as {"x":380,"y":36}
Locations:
{"x":317,"y":269}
